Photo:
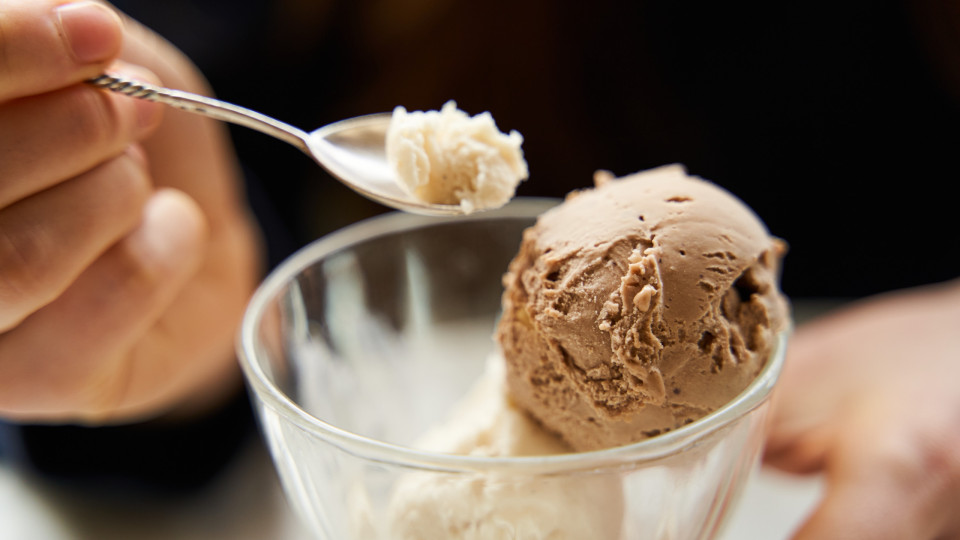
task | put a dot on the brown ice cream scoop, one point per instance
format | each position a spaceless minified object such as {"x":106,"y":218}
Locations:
{"x":639,"y":306}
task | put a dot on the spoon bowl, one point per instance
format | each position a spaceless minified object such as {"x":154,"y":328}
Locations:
{"x":353,"y":150}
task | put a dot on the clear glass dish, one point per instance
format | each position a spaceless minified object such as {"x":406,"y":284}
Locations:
{"x":363,"y":340}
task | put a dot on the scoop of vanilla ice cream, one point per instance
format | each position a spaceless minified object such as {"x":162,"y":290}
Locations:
{"x":494,"y":506}
{"x":448,"y":157}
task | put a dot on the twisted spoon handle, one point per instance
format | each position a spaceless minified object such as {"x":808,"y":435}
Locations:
{"x":205,"y":106}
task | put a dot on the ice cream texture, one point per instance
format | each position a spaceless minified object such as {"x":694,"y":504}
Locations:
{"x":448,"y":157}
{"x":639,"y":306}
{"x":630,"y":310}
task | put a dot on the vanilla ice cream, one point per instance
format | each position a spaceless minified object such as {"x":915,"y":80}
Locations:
{"x":448,"y":157}
{"x":494,"y":506}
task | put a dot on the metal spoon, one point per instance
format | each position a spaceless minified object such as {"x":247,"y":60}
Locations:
{"x":353,"y":150}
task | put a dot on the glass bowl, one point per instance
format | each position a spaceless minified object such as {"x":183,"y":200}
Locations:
{"x":365,"y":339}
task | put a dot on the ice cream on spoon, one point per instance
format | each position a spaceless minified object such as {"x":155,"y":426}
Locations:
{"x":488,"y":165}
{"x":448,"y":157}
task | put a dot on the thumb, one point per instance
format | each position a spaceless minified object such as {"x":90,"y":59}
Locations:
{"x":45,"y":46}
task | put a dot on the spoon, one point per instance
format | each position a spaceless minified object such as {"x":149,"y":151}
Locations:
{"x":353,"y":150}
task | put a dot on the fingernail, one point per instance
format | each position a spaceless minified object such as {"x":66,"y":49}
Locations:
{"x":91,"y":30}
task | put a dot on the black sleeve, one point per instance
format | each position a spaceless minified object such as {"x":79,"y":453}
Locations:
{"x":157,"y":456}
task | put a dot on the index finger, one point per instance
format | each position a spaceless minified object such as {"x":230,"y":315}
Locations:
{"x":49,"y":44}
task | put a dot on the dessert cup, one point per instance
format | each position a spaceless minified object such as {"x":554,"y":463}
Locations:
{"x":365,"y":339}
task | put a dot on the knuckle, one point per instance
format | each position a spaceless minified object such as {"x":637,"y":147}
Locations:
{"x":5,"y":46}
{"x":94,"y":117}
{"x":88,"y":392}
{"x":130,"y":183}
{"x":116,"y":192}
{"x":939,"y":465}
{"x":927,"y":459}
{"x":940,"y":459}
{"x":103,"y":395}
{"x":24,"y":269}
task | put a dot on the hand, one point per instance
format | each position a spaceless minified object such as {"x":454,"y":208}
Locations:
{"x":870,"y":396}
{"x":126,"y":251}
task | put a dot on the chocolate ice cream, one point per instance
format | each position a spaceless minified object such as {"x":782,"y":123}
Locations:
{"x":639,"y":306}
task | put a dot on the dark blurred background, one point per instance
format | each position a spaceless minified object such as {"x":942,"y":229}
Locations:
{"x":838,"y":122}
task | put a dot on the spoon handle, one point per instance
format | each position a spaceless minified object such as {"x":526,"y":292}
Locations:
{"x":205,"y":106}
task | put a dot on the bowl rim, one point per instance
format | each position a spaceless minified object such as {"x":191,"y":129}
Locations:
{"x":268,"y":394}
